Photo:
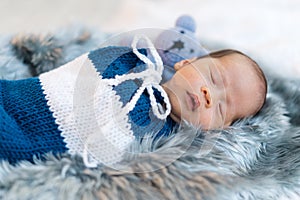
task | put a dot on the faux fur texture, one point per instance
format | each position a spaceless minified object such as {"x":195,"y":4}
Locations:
{"x":27,"y":55}
{"x":256,"y":158}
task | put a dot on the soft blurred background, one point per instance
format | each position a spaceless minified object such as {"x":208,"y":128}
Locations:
{"x":268,"y":30}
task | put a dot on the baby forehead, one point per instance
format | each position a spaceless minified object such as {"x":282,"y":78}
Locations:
{"x":235,"y":59}
{"x":236,"y":62}
{"x":232,"y":65}
{"x":226,"y":60}
{"x":235,"y":70}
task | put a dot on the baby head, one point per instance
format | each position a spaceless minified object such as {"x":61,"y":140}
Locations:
{"x":213,"y":91}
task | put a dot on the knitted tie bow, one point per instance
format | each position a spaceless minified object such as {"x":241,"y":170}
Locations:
{"x":151,"y":78}
{"x":92,"y":119}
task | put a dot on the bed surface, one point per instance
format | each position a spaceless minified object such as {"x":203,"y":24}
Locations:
{"x":256,"y":158}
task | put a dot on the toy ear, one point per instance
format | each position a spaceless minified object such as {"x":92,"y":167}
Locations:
{"x":187,"y":22}
{"x":180,"y":42}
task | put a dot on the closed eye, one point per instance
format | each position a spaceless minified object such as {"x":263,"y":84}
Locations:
{"x":211,"y":76}
{"x":221,"y":111}
{"x":216,"y":77}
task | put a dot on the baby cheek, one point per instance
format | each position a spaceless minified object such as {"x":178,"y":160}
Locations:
{"x":192,"y":79}
{"x":206,"y":120}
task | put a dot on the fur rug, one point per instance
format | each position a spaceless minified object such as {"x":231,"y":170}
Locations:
{"x":256,"y":158}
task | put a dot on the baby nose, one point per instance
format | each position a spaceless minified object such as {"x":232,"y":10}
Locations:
{"x":207,"y":96}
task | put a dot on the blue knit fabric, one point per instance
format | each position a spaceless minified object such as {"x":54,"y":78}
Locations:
{"x":112,"y":61}
{"x":27,"y":127}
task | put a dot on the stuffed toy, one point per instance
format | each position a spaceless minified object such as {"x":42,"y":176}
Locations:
{"x":173,"y":45}
{"x":179,"y":43}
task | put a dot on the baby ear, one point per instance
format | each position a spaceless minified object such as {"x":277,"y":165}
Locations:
{"x":182,"y":63}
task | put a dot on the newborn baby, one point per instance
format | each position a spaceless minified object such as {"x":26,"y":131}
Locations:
{"x":96,"y":105}
{"x":215,"y":90}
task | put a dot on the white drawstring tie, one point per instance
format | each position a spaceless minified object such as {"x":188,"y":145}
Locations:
{"x":151,"y":78}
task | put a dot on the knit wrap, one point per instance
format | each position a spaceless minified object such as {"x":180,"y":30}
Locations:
{"x":87,"y":111}
{"x":27,"y":127}
{"x":79,"y":108}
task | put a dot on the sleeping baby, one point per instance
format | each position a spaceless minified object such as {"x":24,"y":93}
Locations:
{"x":98,"y":104}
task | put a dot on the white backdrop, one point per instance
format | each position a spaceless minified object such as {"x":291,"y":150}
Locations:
{"x":267,"y":30}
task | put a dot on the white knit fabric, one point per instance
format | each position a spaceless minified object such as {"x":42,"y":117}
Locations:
{"x":89,"y":112}
{"x":85,"y":110}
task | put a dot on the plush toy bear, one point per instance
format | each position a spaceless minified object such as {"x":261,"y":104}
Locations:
{"x":179,"y":43}
{"x":173,"y":45}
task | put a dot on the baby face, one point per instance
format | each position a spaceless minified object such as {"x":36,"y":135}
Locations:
{"x":212,"y":92}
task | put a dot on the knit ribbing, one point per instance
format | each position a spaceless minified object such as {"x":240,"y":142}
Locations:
{"x":27,"y":126}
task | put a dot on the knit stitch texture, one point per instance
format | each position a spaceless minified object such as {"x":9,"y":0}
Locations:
{"x":122,"y":61}
{"x":29,"y":128}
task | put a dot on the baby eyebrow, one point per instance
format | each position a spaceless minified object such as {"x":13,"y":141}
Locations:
{"x":223,"y":77}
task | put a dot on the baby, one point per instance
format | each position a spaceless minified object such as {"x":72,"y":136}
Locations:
{"x":215,"y":90}
{"x":96,"y":105}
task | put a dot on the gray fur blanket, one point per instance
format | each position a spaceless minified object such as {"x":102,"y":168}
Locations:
{"x":255,"y":158}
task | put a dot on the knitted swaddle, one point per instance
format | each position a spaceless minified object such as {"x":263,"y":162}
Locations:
{"x":100,"y":103}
